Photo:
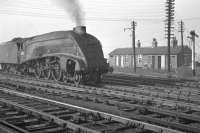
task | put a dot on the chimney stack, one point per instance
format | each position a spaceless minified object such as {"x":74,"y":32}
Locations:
{"x":80,"y":29}
{"x":154,"y":43}
{"x":139,"y":44}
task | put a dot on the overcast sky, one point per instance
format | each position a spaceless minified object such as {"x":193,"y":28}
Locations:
{"x":104,"y":19}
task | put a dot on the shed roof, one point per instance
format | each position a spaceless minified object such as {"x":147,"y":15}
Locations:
{"x":161,"y":50}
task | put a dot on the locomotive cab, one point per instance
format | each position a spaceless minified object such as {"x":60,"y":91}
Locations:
{"x":20,"y":48}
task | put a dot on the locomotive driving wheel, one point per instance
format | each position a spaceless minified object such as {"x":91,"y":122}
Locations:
{"x":77,"y":78}
{"x":65,"y":77}
{"x":46,"y":73}
{"x":5,"y":68}
{"x":56,"y":72}
{"x":38,"y":70}
{"x":96,"y":77}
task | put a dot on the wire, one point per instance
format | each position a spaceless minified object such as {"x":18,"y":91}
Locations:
{"x":152,"y":13}
{"x":88,"y":19}
{"x":191,"y":18}
{"x":151,"y":10}
{"x":117,"y":12}
{"x":60,"y":16}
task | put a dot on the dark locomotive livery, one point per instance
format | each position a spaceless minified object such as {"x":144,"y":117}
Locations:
{"x":63,"y":55}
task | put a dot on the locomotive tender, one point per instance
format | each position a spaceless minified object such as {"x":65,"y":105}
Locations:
{"x":74,"y":56}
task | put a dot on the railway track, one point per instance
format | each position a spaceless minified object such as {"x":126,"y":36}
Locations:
{"x":115,"y":103}
{"x":34,"y":114}
{"x":175,"y":95}
{"x":133,"y":80}
{"x":176,"y":91}
{"x":174,"y":98}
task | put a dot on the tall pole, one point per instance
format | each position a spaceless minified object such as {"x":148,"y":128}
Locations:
{"x":182,"y":34}
{"x":133,"y":24}
{"x":170,"y":19}
{"x":181,"y":30}
{"x":193,"y":35}
{"x":133,"y":43}
{"x":193,"y":56}
{"x":168,"y":44}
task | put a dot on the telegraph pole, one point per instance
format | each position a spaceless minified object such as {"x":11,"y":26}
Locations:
{"x":133,"y":24}
{"x":133,"y":43}
{"x":193,"y":35}
{"x":169,"y":21}
{"x":181,"y":30}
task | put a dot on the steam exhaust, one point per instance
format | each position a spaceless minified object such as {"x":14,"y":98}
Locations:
{"x":73,"y":8}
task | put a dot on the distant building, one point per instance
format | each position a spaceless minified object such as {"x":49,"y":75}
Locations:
{"x":150,"y":57}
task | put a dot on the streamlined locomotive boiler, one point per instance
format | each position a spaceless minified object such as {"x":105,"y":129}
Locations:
{"x":74,"y":56}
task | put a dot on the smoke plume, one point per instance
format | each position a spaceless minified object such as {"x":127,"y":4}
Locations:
{"x":73,"y":8}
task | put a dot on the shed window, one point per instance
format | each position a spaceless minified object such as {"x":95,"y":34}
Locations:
{"x":126,"y":59}
{"x":117,"y":60}
{"x":139,"y":59}
{"x":122,"y":61}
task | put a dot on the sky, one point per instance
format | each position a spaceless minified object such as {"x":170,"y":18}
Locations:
{"x":105,"y":19}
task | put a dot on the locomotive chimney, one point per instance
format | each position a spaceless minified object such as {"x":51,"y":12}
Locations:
{"x":80,"y":29}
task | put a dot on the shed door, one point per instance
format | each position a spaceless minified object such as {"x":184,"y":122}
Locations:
{"x":153,"y":62}
{"x":159,"y":62}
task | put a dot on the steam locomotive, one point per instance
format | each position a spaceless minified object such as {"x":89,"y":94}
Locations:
{"x":69,"y":56}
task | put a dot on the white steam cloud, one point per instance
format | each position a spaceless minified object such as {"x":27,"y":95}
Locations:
{"x":73,"y":8}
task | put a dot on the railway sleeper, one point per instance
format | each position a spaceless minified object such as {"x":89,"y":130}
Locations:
{"x":39,"y":125}
{"x":83,"y":119}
